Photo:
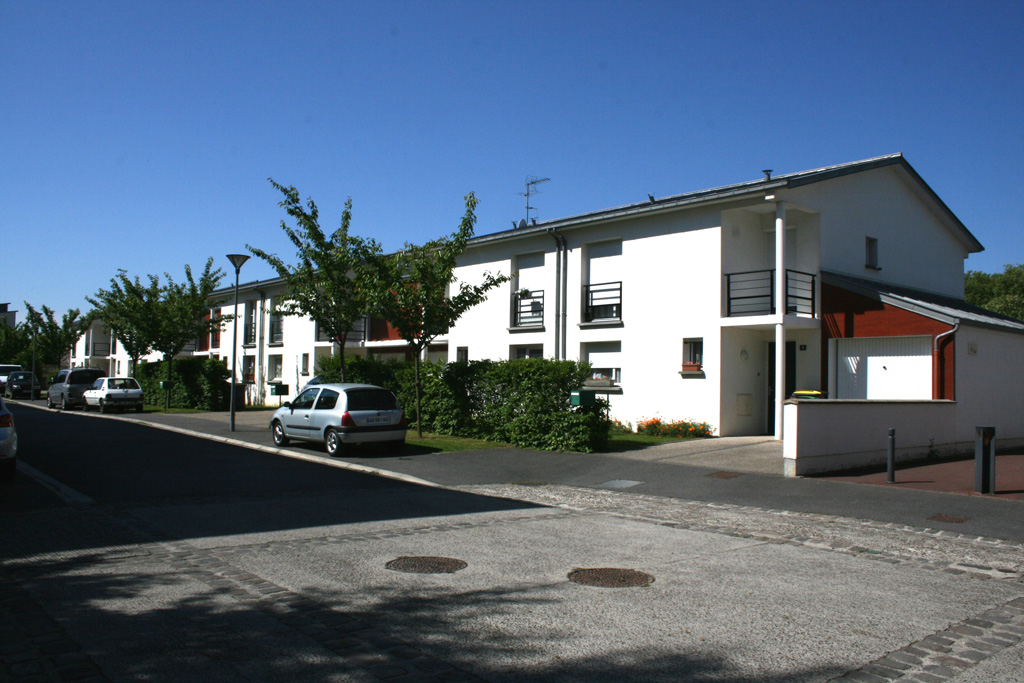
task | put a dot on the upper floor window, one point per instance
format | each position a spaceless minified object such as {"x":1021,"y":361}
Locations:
{"x":276,"y":324}
{"x":602,"y":282}
{"x":871,"y":253}
{"x":215,"y":332}
{"x":249,"y":328}
{"x":528,"y":290}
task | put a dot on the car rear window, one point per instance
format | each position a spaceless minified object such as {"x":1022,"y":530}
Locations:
{"x":371,"y":399}
{"x":123,"y":383}
{"x":84,"y":376}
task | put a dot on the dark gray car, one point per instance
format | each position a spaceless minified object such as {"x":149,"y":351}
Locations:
{"x":68,"y":386}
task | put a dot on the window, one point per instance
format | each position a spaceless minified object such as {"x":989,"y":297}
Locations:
{"x":249,"y":329}
{"x":249,"y":369}
{"x":602,"y":288}
{"x":274,"y":367}
{"x":462,"y":354}
{"x":527,"y":290}
{"x":871,"y":253}
{"x":304,"y":401}
{"x":305,"y":364}
{"x":215,"y":332}
{"x":526,"y":351}
{"x":693,"y":354}
{"x":605,"y":360}
{"x":328,"y":399}
{"x":276,"y":325}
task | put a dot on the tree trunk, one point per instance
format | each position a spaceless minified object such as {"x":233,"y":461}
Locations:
{"x":167,"y":394}
{"x":341,"y":353}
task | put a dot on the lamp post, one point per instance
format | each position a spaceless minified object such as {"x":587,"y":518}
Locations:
{"x":236,"y":260}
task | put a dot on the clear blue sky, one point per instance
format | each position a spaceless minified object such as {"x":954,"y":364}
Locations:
{"x":140,"y":135}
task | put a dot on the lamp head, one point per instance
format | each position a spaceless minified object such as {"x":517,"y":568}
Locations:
{"x":237,"y":260}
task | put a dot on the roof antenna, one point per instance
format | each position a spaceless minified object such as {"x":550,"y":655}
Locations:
{"x":531,"y":189}
{"x":767,"y":173}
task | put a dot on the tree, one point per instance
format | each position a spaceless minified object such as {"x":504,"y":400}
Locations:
{"x":130,"y":309}
{"x":15,"y":340}
{"x":413,"y":290}
{"x":181,"y":312}
{"x":325,"y":284}
{"x":999,"y":292}
{"x":55,"y":339}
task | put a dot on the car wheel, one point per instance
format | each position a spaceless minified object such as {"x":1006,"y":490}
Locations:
{"x":103,"y":406}
{"x":278,"y":431}
{"x":64,"y":402}
{"x":333,"y":442}
{"x":49,"y":402}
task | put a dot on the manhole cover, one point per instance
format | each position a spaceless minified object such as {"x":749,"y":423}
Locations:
{"x":426,"y":565}
{"x":610,"y":578}
{"x":949,"y":519}
{"x":724,"y":475}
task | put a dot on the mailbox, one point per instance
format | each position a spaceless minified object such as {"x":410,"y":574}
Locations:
{"x":166,"y":385}
{"x":583,"y":398}
{"x":279,"y":390}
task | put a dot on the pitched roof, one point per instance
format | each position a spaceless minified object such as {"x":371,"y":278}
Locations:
{"x":946,"y":309}
{"x":788,"y":180}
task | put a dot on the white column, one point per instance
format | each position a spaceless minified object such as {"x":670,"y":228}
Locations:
{"x":780,"y":313}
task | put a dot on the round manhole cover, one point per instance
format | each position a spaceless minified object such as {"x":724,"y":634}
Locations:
{"x":611,"y":578}
{"x":426,"y":565}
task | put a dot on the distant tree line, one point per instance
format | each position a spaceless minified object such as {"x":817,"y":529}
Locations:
{"x":999,"y":292}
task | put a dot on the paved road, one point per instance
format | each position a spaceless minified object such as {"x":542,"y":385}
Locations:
{"x":165,"y":557}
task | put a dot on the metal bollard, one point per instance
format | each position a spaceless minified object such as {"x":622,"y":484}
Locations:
{"x":985,"y":459}
{"x":891,"y":458}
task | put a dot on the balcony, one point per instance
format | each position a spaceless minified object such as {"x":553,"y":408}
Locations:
{"x":528,"y":308}
{"x":753,"y":293}
{"x":602,"y":302}
{"x":249,"y":334}
{"x":101,"y":349}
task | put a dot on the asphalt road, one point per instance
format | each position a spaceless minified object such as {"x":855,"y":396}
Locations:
{"x":131,"y":553}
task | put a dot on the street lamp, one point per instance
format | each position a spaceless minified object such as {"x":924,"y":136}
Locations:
{"x":236,"y":260}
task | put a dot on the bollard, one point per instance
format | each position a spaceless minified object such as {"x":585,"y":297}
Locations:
{"x":891,"y":457}
{"x":985,"y":459}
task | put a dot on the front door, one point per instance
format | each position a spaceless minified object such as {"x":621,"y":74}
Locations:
{"x":790,"y":381}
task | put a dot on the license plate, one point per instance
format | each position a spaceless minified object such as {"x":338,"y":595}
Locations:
{"x":383,"y":420}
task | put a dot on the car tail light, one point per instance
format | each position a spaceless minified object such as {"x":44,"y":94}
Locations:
{"x":346,"y":420}
{"x":401,"y":423}
{"x":6,"y":420}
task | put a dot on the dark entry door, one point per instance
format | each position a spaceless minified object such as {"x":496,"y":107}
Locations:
{"x":790,"y":379}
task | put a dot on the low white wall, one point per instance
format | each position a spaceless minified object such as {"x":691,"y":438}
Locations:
{"x":835,"y":435}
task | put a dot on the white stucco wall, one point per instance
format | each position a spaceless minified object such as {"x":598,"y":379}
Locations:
{"x":989,"y":385}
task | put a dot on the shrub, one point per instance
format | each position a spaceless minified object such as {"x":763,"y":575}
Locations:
{"x":200,"y":383}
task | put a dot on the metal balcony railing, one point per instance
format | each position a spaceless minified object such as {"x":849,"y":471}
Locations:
{"x":528,"y":309}
{"x":101,"y":348}
{"x":753,"y":293}
{"x":602,"y":302}
{"x":249,"y":334}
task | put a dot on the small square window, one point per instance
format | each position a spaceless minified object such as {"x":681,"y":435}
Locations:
{"x":305,"y":364}
{"x":693,"y":354}
{"x":462,"y":354}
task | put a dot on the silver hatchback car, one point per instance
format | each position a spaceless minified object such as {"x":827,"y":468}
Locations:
{"x":340,"y":414}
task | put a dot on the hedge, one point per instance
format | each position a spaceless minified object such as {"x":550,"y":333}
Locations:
{"x":201,"y":383}
{"x":521,"y":402}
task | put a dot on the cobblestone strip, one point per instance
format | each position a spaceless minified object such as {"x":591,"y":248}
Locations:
{"x":946,"y":654}
{"x":362,"y":645}
{"x":34,"y":647}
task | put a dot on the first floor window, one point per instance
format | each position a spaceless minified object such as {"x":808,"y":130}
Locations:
{"x":693,"y":354}
{"x":305,"y":364}
{"x":605,"y":360}
{"x":462,"y":354}
{"x":249,"y":369}
{"x":527,"y":351}
{"x":274,"y":367}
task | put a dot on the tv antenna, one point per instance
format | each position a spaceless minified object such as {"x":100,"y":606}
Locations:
{"x":531,"y":189}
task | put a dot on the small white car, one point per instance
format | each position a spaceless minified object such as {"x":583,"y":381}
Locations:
{"x":114,"y":393}
{"x":8,"y":444}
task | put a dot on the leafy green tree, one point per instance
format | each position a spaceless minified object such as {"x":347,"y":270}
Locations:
{"x":130,"y":308}
{"x":998,"y":292}
{"x":417,"y":292}
{"x":54,"y":339}
{"x":181,"y":312}
{"x":14,"y":342}
{"x":325,"y":285}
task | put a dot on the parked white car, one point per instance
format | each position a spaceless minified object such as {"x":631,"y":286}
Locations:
{"x":114,"y":393}
{"x":8,"y":444}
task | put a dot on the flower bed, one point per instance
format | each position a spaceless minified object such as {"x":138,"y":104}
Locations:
{"x":680,"y":429}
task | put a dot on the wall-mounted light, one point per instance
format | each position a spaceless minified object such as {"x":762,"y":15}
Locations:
{"x":744,"y":355}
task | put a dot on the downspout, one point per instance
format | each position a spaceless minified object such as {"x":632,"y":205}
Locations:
{"x":780,"y":314}
{"x":565,"y":294}
{"x":937,"y":373}
{"x":558,"y":285}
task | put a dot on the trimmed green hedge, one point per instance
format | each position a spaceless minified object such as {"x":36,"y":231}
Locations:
{"x":521,"y":402}
{"x":201,"y":383}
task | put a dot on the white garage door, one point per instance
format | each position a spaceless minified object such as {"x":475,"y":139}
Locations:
{"x":884,"y":368}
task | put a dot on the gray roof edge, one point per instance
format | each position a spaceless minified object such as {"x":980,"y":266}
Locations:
{"x":925,"y":303}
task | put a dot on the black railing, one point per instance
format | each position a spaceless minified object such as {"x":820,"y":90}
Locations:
{"x":602,"y":302}
{"x":357,"y":334}
{"x":249,"y":334}
{"x":101,"y":348}
{"x":528,"y":309}
{"x":753,"y":293}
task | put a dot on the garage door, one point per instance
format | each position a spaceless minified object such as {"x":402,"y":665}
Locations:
{"x":884,"y":368}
